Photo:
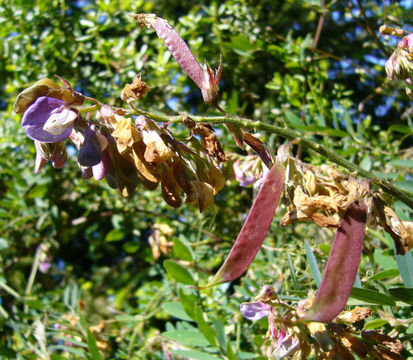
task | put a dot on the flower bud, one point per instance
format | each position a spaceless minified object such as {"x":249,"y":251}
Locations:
{"x":406,"y":43}
{"x":59,"y":155}
{"x":90,"y":152}
{"x":388,"y":30}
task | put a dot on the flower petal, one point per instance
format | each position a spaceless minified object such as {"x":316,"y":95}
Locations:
{"x":90,"y":152}
{"x":100,"y":170}
{"x":255,"y":311}
{"x":59,"y":121}
{"x":37,"y":115}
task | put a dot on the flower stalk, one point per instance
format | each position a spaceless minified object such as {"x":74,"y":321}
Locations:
{"x":401,"y":194}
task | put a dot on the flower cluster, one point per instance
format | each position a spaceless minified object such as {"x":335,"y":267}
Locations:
{"x":323,"y":195}
{"x":289,"y":336}
{"x":400,"y":64}
{"x":249,"y":170}
{"x":110,"y":145}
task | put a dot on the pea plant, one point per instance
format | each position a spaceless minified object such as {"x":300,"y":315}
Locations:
{"x":128,"y":146}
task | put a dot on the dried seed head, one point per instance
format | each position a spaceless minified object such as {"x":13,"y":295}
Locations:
{"x":134,"y":91}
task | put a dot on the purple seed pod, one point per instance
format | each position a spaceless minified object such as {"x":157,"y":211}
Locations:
{"x":341,"y":268}
{"x":204,"y":78}
{"x":255,"y":228}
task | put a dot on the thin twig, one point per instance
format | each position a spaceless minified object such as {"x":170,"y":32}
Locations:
{"x":320,"y":24}
{"x":402,"y":195}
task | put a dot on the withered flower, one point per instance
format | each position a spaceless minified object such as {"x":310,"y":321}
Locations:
{"x":208,"y":138}
{"x":134,"y":91}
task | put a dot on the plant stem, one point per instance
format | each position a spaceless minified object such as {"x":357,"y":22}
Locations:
{"x":403,"y":195}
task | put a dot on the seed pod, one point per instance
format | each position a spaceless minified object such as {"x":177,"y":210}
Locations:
{"x":255,"y":228}
{"x":205,"y":79}
{"x":342,"y":265}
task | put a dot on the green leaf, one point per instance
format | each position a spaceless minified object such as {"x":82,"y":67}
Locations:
{"x":403,"y":294}
{"x":220,"y":329}
{"x":6,"y":352}
{"x":114,"y":235}
{"x":366,"y":163}
{"x":405,"y":185}
{"x":405,"y":265}
{"x":292,"y":271}
{"x":34,"y":304}
{"x":293,"y":120}
{"x":204,"y":327}
{"x":244,"y":355}
{"x":186,"y":337}
{"x":372,"y":297}
{"x":93,"y":348}
{"x":178,"y":272}
{"x":374,"y":324}
{"x":315,"y":271}
{"x":402,"y":163}
{"x":230,"y":352}
{"x":391,"y":273}
{"x":182,"y":250}
{"x":188,"y":301}
{"x":194,"y":354}
{"x":177,"y":310}
{"x":400,"y":128}
{"x":69,"y":349}
{"x":384,"y":259}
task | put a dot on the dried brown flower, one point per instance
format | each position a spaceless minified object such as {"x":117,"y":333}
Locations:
{"x":134,"y":91}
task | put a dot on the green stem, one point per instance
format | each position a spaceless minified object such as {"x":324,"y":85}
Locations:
{"x":35,"y":267}
{"x":8,"y":289}
{"x":402,"y":195}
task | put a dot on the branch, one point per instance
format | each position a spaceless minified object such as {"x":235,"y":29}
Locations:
{"x":403,"y":195}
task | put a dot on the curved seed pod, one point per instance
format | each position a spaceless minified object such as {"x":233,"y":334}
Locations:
{"x":342,"y":265}
{"x":204,"y":78}
{"x":255,"y":227}
{"x":258,"y":147}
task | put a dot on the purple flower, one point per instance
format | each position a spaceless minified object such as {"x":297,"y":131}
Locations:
{"x":100,"y":170}
{"x":93,"y":158}
{"x":44,"y":266}
{"x":255,"y":311}
{"x":48,"y":120}
{"x":406,"y":43}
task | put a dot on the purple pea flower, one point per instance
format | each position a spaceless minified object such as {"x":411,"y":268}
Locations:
{"x":286,"y":344}
{"x":255,"y":311}
{"x":94,"y":159}
{"x":48,"y":120}
{"x":90,"y":152}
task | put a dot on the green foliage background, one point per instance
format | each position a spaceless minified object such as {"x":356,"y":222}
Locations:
{"x":102,"y":267}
